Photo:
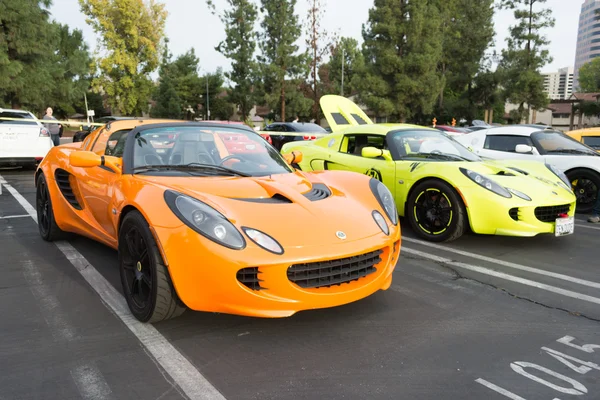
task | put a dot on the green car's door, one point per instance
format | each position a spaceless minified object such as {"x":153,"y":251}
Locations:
{"x":349,"y":158}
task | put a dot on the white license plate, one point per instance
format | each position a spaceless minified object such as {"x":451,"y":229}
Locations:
{"x":564,"y":226}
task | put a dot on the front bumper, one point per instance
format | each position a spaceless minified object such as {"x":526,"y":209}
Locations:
{"x":515,"y":217}
{"x":205,"y":274}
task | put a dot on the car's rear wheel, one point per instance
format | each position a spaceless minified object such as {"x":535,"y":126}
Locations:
{"x":436,"y":212}
{"x":146,"y":282}
{"x":49,"y":230}
{"x":585,"y":184}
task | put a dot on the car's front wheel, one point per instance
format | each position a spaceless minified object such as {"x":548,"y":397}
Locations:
{"x":436,"y":212}
{"x":49,"y":230}
{"x":146,"y":282}
{"x":585,"y":184}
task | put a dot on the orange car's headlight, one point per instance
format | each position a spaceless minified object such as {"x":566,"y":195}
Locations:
{"x":205,"y":220}
{"x":263,"y":240}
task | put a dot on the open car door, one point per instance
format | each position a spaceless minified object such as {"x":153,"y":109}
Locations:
{"x":341,"y":113}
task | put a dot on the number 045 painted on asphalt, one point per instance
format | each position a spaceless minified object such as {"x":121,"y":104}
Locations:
{"x":575,"y":388}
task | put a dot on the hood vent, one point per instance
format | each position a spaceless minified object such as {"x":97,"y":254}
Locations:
{"x":505,"y":173}
{"x":519,"y":170}
{"x":277,"y":199}
{"x":318,"y":192}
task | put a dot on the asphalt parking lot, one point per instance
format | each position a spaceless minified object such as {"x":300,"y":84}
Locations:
{"x":481,"y":318}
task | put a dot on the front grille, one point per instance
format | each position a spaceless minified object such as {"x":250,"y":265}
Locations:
{"x":64,"y":185}
{"x":514,"y":213}
{"x":551,"y":213}
{"x":249,"y":278}
{"x":318,"y":192}
{"x":334,"y":272}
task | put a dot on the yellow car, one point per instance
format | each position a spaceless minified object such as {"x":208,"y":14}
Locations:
{"x":590,"y":137}
{"x":438,"y":185}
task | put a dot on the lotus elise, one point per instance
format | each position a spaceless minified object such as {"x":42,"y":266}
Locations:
{"x":440,"y":186}
{"x":202,"y":225}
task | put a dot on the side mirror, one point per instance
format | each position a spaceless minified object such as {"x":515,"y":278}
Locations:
{"x":523,"y":149}
{"x":374,"y":152}
{"x":293,"y":158}
{"x":88,"y":159}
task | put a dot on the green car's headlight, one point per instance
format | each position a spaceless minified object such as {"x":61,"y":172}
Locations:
{"x":385,"y":199}
{"x":561,"y":175}
{"x":486,"y":183}
{"x":519,"y":194}
{"x":205,"y":220}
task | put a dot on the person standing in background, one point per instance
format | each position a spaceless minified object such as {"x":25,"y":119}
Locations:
{"x":54,"y":129}
{"x":595,"y":218}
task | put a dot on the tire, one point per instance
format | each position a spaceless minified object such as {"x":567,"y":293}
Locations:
{"x":49,"y":230}
{"x":436,"y":212}
{"x":146,"y":282}
{"x":585,"y":184}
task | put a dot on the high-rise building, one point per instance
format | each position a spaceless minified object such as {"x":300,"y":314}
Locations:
{"x":559,"y":85}
{"x":588,"y":36}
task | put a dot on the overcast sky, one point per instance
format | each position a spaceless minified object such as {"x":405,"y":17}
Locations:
{"x":190,"y":24}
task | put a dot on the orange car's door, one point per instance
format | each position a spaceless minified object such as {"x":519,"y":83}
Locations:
{"x":97,"y":186}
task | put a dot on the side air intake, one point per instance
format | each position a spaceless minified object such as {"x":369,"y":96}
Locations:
{"x":64,"y":185}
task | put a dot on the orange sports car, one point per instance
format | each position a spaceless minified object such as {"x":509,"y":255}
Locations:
{"x":199,"y":225}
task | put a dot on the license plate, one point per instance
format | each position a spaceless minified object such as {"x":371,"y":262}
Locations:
{"x":564,"y":226}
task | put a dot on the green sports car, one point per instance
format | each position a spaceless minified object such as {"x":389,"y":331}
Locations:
{"x":440,"y":186}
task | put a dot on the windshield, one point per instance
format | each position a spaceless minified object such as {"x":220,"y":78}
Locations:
{"x":554,"y":142}
{"x":308,"y":127}
{"x":206,"y":150}
{"x":431,"y":145}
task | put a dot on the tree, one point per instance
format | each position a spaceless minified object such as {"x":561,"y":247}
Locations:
{"x":280,"y":62}
{"x":239,"y":46}
{"x":70,"y":69}
{"x":319,"y":43}
{"x":402,"y":49}
{"x":589,"y":76}
{"x":524,"y":57}
{"x":218,"y":104}
{"x":168,"y":103}
{"x":187,"y":81}
{"x":347,"y":53}
{"x":467,"y":32}
{"x":26,"y":40}
{"x":131,"y":32}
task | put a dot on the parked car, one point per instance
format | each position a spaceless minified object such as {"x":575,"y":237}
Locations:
{"x":87,"y":129}
{"x":578,"y":161}
{"x":295,"y":131}
{"x":589,"y":137}
{"x":24,"y":141}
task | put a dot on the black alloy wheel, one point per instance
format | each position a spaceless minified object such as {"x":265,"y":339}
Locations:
{"x":49,"y":230}
{"x":435,"y":211}
{"x":585,"y":184}
{"x":146,"y":281}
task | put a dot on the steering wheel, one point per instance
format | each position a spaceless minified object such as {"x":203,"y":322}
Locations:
{"x":231,"y":157}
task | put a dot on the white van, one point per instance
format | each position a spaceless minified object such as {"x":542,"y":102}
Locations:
{"x":23,"y":142}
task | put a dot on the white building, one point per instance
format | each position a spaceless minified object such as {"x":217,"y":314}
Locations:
{"x":559,"y":85}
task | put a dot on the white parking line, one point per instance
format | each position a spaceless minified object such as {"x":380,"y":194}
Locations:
{"x":507,"y":277}
{"x":182,"y":371}
{"x":498,"y":389}
{"x":14,"y":216}
{"x":509,"y":264}
{"x":596,"y":228}
{"x":91,"y":383}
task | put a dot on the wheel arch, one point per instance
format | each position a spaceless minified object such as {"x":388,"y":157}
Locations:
{"x":434,"y":178}
{"x":583,"y":168}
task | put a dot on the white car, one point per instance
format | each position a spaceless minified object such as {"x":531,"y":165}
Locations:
{"x":580,"y":163}
{"x":24,"y":142}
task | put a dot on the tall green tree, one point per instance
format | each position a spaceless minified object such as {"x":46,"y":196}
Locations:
{"x":168,"y":103}
{"x":402,"y":49}
{"x":130,"y":32}
{"x":345,"y":52}
{"x":467,"y":30}
{"x":239,"y":47}
{"x":188,"y":84}
{"x":70,"y":69}
{"x":218,"y":101}
{"x":589,"y":76}
{"x":525,"y":55}
{"x":282,"y":66}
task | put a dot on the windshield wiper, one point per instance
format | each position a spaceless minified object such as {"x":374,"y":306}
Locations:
{"x":573,"y":151}
{"x":190,"y":167}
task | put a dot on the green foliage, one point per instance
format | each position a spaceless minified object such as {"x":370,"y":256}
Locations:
{"x":41,"y":63}
{"x":130,"y":32}
{"x":525,"y":55}
{"x":219,"y":105}
{"x":168,"y":103}
{"x":402,"y":49}
{"x":345,"y":51}
{"x":280,"y":62}
{"x":239,"y":47}
{"x":589,"y":76}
